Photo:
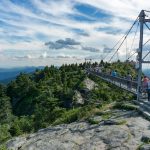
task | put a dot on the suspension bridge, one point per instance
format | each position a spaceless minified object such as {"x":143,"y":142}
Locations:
{"x":141,"y":54}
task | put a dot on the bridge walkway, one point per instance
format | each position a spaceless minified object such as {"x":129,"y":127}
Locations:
{"x":130,"y":86}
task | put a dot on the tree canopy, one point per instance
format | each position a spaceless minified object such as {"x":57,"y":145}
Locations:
{"x":46,"y":97}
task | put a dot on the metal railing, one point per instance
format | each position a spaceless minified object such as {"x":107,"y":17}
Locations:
{"x":129,"y":85}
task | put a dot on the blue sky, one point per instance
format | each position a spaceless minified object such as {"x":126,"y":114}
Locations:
{"x":73,"y":29}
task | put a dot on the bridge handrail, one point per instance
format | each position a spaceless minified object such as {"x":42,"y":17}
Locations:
{"x":119,"y":79}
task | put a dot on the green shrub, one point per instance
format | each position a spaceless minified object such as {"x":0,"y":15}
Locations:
{"x":4,"y":133}
{"x":145,"y":140}
{"x":121,"y":122}
{"x":21,"y":125}
{"x":92,"y":121}
{"x":126,"y":106}
{"x":68,"y":117}
{"x":106,"y":115}
{"x":75,"y":114}
{"x":3,"y":147}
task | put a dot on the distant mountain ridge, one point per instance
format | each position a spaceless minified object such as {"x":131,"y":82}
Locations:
{"x":8,"y":74}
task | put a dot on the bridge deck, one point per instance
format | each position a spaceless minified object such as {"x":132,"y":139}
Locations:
{"x":130,"y":86}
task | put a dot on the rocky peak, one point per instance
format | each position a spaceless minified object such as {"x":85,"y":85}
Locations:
{"x":124,"y":130}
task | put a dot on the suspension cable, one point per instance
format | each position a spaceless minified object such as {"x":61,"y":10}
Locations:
{"x":143,"y":45}
{"x":126,"y":49}
{"x":146,"y":55}
{"x":134,"y":38}
{"x":117,"y":56}
{"x":115,"y":45}
{"x":147,"y":26}
{"x":126,"y":35}
{"x":146,"y":42}
{"x":131,"y":55}
{"x":136,"y":52}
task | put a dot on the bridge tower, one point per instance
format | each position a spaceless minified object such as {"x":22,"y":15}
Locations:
{"x":140,"y":59}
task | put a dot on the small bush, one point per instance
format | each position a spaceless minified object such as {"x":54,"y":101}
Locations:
{"x":21,"y":125}
{"x":68,"y":117}
{"x":106,"y":116}
{"x":75,"y":114}
{"x":126,"y":106}
{"x":121,"y":122}
{"x":3,"y":147}
{"x":145,"y":139}
{"x":92,"y":121}
{"x":4,"y":133}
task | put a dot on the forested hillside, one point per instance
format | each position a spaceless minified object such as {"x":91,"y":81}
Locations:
{"x":51,"y":96}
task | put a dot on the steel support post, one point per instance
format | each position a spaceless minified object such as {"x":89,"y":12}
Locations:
{"x":141,"y":20}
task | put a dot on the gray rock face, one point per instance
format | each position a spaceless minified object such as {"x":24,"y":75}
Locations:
{"x":78,"y":99}
{"x":97,"y":118}
{"x":89,"y":84}
{"x":84,"y":136}
{"x":16,"y":143}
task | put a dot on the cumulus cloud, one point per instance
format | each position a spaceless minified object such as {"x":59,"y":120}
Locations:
{"x":90,"y":49}
{"x":44,"y":55}
{"x":70,"y":44}
{"x":107,"y":49}
{"x":24,"y":57}
{"x":63,"y":57}
{"x":69,"y":57}
{"x":94,"y":57}
{"x":60,"y":44}
{"x":68,"y":41}
{"x":84,"y":34}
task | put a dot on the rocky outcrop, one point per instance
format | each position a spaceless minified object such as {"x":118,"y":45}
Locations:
{"x":78,"y":99}
{"x":80,"y":96}
{"x":106,"y":134}
{"x":89,"y":84}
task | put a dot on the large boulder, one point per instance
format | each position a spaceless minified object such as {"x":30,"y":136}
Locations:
{"x":89,"y":84}
{"x":78,"y":99}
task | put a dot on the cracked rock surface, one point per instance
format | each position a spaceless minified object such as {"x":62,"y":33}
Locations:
{"x":85,"y":136}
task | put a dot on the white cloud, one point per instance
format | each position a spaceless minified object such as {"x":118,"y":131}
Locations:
{"x":52,"y":21}
{"x":128,"y":9}
{"x":35,"y":45}
{"x":51,"y":7}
